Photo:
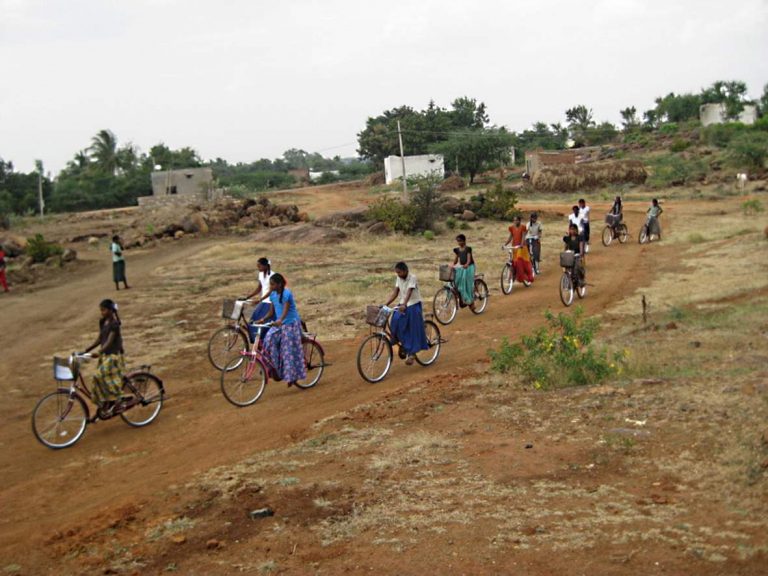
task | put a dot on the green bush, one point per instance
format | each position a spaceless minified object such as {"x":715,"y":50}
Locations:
{"x":674,"y":170}
{"x":396,"y":215}
{"x":428,"y":235}
{"x":721,"y":134}
{"x":751,"y":207}
{"x":749,"y":150}
{"x":559,"y":354}
{"x":451,"y":223}
{"x":465,"y":226}
{"x":39,"y":249}
{"x":499,"y":203}
{"x":668,"y":129}
{"x":678,"y":145}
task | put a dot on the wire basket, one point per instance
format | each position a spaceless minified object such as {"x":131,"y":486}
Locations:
{"x":376,"y":316}
{"x":567,"y":259}
{"x":446,"y":272}
{"x":612,"y":219}
{"x":232,"y":309}
{"x":62,"y":370}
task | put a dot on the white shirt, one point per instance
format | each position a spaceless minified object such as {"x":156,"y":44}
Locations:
{"x":405,"y":284}
{"x":264,"y":281}
{"x":584,"y":214}
{"x":573,"y":219}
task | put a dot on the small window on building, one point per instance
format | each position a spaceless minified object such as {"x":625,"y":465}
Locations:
{"x":188,"y":175}
{"x":173,"y":189}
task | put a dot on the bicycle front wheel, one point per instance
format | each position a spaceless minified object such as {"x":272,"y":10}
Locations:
{"x":243,"y":381}
{"x":59,"y":419}
{"x":607,"y":236}
{"x":314,"y":359}
{"x":224,"y":344}
{"x":374,"y":358}
{"x":623,"y":233}
{"x":481,"y":297}
{"x":444,"y":306}
{"x":427,"y":357}
{"x":566,"y":289}
{"x":507,"y":278}
{"x":642,"y":238}
{"x":143,"y":394}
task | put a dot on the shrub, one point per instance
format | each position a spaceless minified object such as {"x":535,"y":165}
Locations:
{"x":679,"y":145}
{"x":39,"y":249}
{"x":749,"y":150}
{"x":428,"y":235}
{"x":465,"y":226}
{"x":425,"y":200}
{"x":673,"y":170}
{"x":721,"y":134}
{"x":396,"y":215}
{"x":451,"y":223}
{"x":751,"y":207}
{"x":668,"y":129}
{"x":559,"y":354}
{"x":696,"y":238}
{"x":499,"y":203}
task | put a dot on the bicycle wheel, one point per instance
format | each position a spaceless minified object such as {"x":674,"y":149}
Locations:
{"x":59,"y":420}
{"x":507,"y":278}
{"x":642,"y":238}
{"x":144,"y":393}
{"x":481,"y":297}
{"x":224,"y":344}
{"x":607,"y":236}
{"x":374,"y":358}
{"x":566,"y":289}
{"x":444,"y":306}
{"x":427,"y":357}
{"x":623,"y":233}
{"x":315,"y":361}
{"x":243,"y":383}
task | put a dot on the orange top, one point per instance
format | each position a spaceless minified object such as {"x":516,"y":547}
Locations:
{"x":518,"y":234}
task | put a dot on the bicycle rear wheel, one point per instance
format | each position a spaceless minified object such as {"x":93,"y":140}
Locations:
{"x":427,"y":357}
{"x":144,"y":393}
{"x":314,"y":359}
{"x":224,"y":344}
{"x":59,"y":419}
{"x":623,"y":233}
{"x":507,"y":278}
{"x":566,"y":289}
{"x":607,"y":236}
{"x":481,"y":297}
{"x":444,"y":305}
{"x":374,"y":358}
{"x":243,"y":382}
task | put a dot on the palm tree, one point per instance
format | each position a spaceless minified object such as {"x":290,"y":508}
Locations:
{"x":104,"y":151}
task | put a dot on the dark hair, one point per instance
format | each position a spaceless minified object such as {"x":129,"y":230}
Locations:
{"x":534,"y":214}
{"x":110,"y":305}
{"x":655,"y":201}
{"x":267,"y":263}
{"x":279,"y":279}
{"x":582,"y":201}
{"x":575,"y":207}
{"x":461,"y":238}
{"x":116,"y":238}
{"x":401,"y":266}
{"x":573,"y":227}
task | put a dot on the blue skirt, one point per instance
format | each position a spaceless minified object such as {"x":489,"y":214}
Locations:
{"x":408,"y":329}
{"x":260,"y":311}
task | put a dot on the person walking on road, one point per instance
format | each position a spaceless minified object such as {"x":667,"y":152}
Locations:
{"x":118,"y":262}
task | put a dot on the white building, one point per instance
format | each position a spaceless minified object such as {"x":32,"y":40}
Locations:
{"x":415,"y":166}
{"x":715,"y":114}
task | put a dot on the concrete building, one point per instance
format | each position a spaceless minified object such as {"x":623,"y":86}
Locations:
{"x":182,"y":186}
{"x":715,"y":114}
{"x":415,"y":166}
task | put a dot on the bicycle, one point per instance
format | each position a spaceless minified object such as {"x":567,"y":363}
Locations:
{"x":534,"y":249}
{"x":374,"y":357}
{"x":232,"y":338}
{"x":651,"y":228}
{"x":61,"y":417}
{"x":573,"y":278}
{"x":614,"y":229}
{"x":244,"y":387}
{"x":447,"y":301}
{"x":508,"y":273}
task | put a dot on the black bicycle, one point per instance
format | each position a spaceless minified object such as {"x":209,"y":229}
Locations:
{"x":614,"y":229}
{"x":573,"y":278}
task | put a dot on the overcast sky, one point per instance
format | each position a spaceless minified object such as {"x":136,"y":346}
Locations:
{"x":248,"y":79}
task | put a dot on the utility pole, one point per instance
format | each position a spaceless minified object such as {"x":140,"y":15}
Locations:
{"x":402,"y":160}
{"x":40,"y":201}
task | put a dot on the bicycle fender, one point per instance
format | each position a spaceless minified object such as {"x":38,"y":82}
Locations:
{"x":144,"y":373}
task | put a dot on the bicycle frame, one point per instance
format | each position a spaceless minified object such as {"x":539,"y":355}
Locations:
{"x":259,"y":354}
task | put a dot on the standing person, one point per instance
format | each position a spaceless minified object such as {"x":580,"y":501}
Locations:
{"x":584,"y":215}
{"x":284,"y":346}
{"x":464,"y":266}
{"x":3,"y":280}
{"x":575,"y":218}
{"x":264,"y":267}
{"x":520,"y":256}
{"x":653,"y":213}
{"x":533,"y":240}
{"x":108,"y":380}
{"x":408,"y":320}
{"x":118,"y":262}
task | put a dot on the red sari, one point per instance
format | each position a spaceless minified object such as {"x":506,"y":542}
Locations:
{"x":520,"y":256}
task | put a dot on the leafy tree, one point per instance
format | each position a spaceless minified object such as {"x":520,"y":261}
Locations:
{"x":19,"y":191}
{"x":731,"y":94}
{"x":104,"y":151}
{"x":474,"y":150}
{"x":182,"y":158}
{"x":579,"y":118}
{"x":677,"y":108}
{"x":629,"y":119}
{"x":296,"y":159}
{"x":749,"y":150}
{"x":763,"y":104}
{"x":467,"y":113}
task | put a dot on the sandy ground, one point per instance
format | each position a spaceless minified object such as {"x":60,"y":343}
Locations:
{"x":112,"y":503}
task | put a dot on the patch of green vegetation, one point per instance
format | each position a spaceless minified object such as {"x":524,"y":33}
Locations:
{"x":39,"y":249}
{"x":751,"y":207}
{"x":428,"y":235}
{"x":696,"y":238}
{"x":451,"y":223}
{"x":674,"y":170}
{"x":678,"y":145}
{"x":288,"y":481}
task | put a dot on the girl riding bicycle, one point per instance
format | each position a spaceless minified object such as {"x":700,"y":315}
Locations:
{"x":264,"y":267}
{"x":108,"y":380}
{"x":575,"y":243}
{"x":408,"y":320}
{"x":464,"y":275}
{"x":533,"y":239}
{"x":520,"y":256}
{"x":284,"y":346}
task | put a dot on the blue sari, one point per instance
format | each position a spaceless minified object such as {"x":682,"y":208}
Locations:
{"x":408,"y":329}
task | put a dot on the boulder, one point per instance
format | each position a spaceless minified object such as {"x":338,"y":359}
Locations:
{"x":246,"y":222}
{"x":274,"y":222}
{"x":13,"y":245}
{"x":303,"y":217}
{"x":195,"y":222}
{"x":452,"y":205}
{"x":468,"y":216}
{"x":93,"y":241}
{"x":69,"y":255}
{"x":378,"y":229}
{"x":178,"y":234}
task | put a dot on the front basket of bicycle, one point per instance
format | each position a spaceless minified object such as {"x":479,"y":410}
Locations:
{"x":232,"y":309}
{"x":446,"y":272}
{"x":567,"y":259}
{"x":376,"y":316}
{"x":612,"y":219}
{"x":62,"y":370}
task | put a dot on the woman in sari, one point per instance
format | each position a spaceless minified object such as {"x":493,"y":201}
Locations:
{"x":283,"y":342}
{"x":520,"y":256}
{"x":408,"y":320}
{"x":464,"y":271}
{"x":108,"y":380}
